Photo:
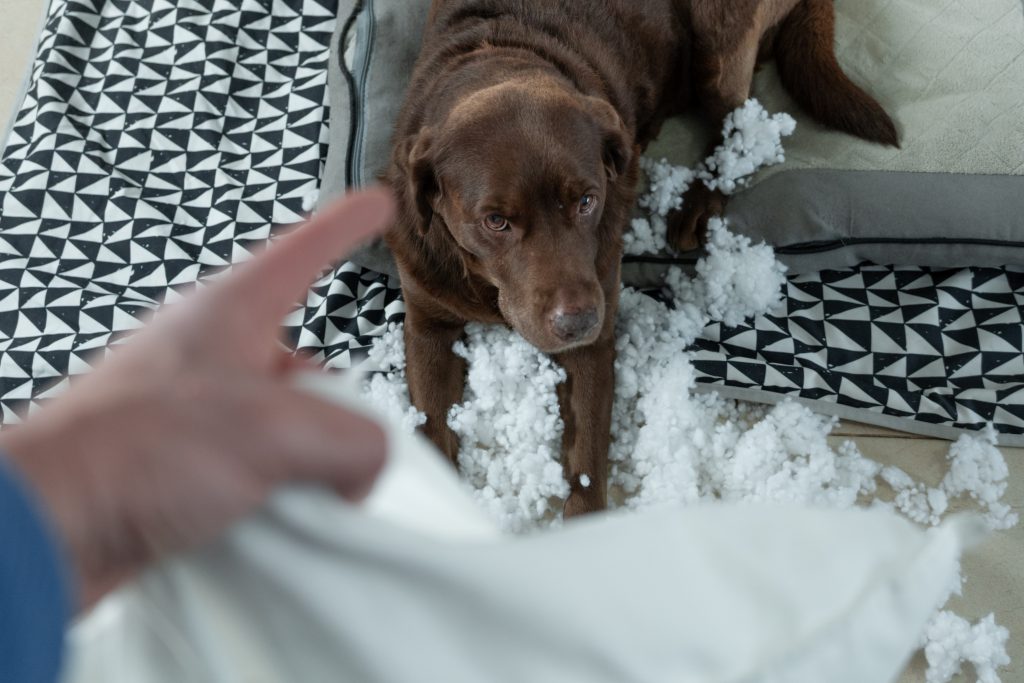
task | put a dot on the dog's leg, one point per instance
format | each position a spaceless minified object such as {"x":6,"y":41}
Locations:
{"x":586,"y":405}
{"x":435,"y":374}
{"x":723,"y":71}
{"x":687,"y":227}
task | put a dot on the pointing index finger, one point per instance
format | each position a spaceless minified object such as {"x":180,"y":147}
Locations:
{"x":277,"y":278}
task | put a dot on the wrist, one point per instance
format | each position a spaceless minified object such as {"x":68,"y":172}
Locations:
{"x":47,"y":458}
{"x":35,"y":597}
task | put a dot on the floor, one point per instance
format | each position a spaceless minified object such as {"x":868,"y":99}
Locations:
{"x":995,"y":571}
{"x":18,"y":30}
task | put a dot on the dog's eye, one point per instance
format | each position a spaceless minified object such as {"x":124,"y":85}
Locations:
{"x":587,"y":203}
{"x":496,"y":222}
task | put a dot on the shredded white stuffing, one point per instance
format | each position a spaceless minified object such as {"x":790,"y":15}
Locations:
{"x":951,"y":640}
{"x":645,"y":236}
{"x":752,"y":140}
{"x":916,"y":501}
{"x":510,"y":406}
{"x":387,"y":389}
{"x":671,"y":444}
{"x":666,"y":185}
{"x":735,"y":281}
{"x":976,"y":469}
{"x":310,"y":200}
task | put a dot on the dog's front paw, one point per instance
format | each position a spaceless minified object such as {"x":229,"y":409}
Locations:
{"x":688,"y":227}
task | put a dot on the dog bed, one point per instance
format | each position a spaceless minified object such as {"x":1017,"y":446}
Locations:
{"x":912,"y":349}
{"x":951,"y":74}
{"x":154,"y":145}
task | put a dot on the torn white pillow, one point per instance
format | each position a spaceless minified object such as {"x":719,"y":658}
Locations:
{"x":311,"y":589}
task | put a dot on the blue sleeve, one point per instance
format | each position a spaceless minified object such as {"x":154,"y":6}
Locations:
{"x":35,"y":600}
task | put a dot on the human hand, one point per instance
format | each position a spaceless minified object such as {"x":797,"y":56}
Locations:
{"x":191,"y":424}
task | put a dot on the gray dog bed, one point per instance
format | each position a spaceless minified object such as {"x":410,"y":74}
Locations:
{"x":116,"y":188}
{"x":908,"y":344}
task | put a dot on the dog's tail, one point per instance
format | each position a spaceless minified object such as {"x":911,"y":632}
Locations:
{"x":805,"y":53}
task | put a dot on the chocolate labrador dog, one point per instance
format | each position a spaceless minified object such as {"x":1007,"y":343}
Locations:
{"x":515,"y":162}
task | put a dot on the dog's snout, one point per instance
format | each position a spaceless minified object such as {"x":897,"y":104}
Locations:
{"x":573,"y":324}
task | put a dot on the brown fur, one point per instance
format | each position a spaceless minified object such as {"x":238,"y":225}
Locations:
{"x":519,"y":111}
{"x":731,"y":37}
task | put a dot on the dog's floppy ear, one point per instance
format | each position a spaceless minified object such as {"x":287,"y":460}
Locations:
{"x":422,"y":188}
{"x":617,"y":146}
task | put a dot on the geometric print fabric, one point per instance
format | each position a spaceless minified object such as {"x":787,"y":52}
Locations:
{"x":161,"y":141}
{"x":938,"y":346}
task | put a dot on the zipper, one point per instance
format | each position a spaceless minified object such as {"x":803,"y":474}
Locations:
{"x":662,"y":260}
{"x":366,"y":33}
{"x":354,"y":92}
{"x":831,"y":245}
{"x":822,"y":246}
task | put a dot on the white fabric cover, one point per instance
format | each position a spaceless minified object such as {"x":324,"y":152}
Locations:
{"x":417,"y":585}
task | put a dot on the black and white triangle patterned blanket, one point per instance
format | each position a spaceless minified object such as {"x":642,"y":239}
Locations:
{"x":161,"y":139}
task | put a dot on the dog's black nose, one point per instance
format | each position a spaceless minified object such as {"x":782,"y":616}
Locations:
{"x":573,"y":325}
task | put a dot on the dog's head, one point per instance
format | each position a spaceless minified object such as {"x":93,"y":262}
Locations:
{"x":518,"y":175}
